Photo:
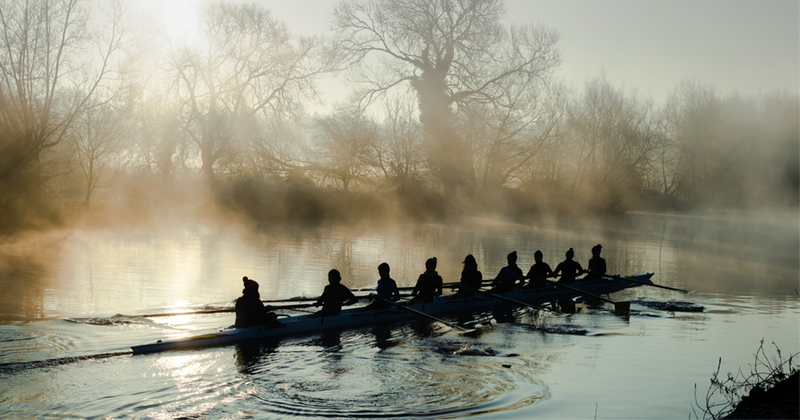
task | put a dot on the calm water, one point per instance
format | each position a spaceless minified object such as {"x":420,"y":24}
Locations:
{"x":63,"y":353}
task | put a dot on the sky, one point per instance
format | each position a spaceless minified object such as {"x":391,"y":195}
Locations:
{"x":647,"y":46}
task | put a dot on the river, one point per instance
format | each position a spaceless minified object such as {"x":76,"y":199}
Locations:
{"x":64,"y":353}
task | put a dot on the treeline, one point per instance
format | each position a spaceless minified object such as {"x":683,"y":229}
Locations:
{"x":452,"y":112}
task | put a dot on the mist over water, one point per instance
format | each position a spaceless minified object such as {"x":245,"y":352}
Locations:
{"x":148,"y":163}
{"x":744,"y":266}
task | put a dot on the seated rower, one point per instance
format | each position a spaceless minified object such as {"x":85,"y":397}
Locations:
{"x":597,"y":265}
{"x":386,"y":290}
{"x":538,"y":273}
{"x":429,"y":285}
{"x":507,"y":277}
{"x":568,"y":269}
{"x":334,"y":296}
{"x":250,"y":311}
{"x":471,"y":279}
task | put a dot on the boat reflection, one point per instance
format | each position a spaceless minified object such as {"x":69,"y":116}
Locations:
{"x":250,"y":355}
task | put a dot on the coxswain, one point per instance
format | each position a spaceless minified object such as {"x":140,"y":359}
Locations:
{"x":597,"y":265}
{"x":471,"y":279}
{"x":250,"y":311}
{"x":538,"y":273}
{"x":508,"y":276}
{"x":334,"y":296}
{"x":429,"y":284}
{"x":568,"y":269}
{"x":386,"y":290}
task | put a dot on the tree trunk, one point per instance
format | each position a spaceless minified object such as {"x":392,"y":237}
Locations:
{"x":444,"y":147}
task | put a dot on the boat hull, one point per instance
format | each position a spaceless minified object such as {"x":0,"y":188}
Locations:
{"x":357,"y":317}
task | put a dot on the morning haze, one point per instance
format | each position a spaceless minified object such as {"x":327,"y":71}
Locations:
{"x":154,"y":154}
{"x":394,"y":109}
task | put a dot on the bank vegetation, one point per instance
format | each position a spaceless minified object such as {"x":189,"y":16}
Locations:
{"x":451,"y":113}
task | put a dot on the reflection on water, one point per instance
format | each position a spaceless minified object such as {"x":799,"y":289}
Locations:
{"x":745,"y":269}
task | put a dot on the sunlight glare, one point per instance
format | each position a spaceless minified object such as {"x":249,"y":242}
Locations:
{"x":180,"y":18}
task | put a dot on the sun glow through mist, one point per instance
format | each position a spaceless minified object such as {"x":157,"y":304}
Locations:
{"x":180,"y":18}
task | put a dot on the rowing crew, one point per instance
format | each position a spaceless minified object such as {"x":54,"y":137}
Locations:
{"x":250,"y":311}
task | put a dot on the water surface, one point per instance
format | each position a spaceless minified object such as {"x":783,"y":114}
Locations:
{"x":64,"y":353}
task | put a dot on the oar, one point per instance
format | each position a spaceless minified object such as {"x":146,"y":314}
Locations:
{"x":518,"y":302}
{"x":308,"y":299}
{"x":460,"y":329}
{"x":619,"y":307}
{"x":650,"y":284}
{"x":294,"y":299}
{"x":208,"y":311}
{"x":451,"y":285}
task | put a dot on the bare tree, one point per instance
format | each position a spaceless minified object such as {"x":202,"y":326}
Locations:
{"x":692,"y":126}
{"x":248,"y":64}
{"x":399,"y":152}
{"x":157,"y":132}
{"x":451,"y":52}
{"x":614,"y":137}
{"x":346,"y":146}
{"x":99,"y":146}
{"x":507,"y":139}
{"x":48,"y":78}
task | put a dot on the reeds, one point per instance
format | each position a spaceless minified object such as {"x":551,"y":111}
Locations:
{"x":765,"y":373}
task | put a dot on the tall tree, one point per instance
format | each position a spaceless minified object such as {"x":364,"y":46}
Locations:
{"x":614,"y":135}
{"x":99,"y":144}
{"x":451,"y":53}
{"x":346,"y":146}
{"x":399,"y":152}
{"x":693,"y":120}
{"x":507,"y":139}
{"x":247,"y":64}
{"x":52,"y":65}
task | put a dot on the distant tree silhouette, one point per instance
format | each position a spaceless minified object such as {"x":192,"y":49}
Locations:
{"x":346,"y":143}
{"x":53,"y":67}
{"x":452,"y":53}
{"x":246,"y":65}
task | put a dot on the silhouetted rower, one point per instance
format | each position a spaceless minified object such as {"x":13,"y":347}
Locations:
{"x":568,"y":269}
{"x":250,"y":311}
{"x":508,"y":276}
{"x":334,"y":296}
{"x":386,"y":290}
{"x":539,"y":272}
{"x":597,"y":265}
{"x":429,"y":285}
{"x":471,"y":279}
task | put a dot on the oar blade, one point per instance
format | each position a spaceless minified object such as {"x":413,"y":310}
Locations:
{"x":650,"y":283}
{"x":622,"y":308}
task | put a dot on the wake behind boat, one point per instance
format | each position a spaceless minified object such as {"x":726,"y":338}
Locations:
{"x":443,"y":305}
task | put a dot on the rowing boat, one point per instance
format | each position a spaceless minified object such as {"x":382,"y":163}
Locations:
{"x":356,"y":317}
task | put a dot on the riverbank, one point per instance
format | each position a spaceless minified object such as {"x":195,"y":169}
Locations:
{"x":779,"y":402}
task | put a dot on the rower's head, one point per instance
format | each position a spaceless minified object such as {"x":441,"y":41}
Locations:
{"x":250,"y":286}
{"x":596,"y":250}
{"x":570,"y":254}
{"x":512,"y":258}
{"x":383,"y":270}
{"x":537,"y":256}
{"x":430,"y":264}
{"x":334,"y":277}
{"x":470,"y":264}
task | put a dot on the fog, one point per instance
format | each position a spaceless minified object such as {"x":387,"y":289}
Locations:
{"x":110,"y":115}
